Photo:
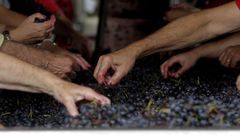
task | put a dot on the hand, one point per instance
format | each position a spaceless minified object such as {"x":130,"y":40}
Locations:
{"x":230,"y":57}
{"x":186,"y":61}
{"x":121,"y":62}
{"x":68,"y":94}
{"x":79,"y":61}
{"x":29,"y":31}
{"x":61,"y":66}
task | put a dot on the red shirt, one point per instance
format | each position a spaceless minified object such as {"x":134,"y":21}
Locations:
{"x":50,"y":5}
{"x":238,"y":3}
{"x":55,"y":6}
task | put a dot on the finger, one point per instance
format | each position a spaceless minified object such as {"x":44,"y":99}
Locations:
{"x":81,"y":63}
{"x":50,"y":29}
{"x":104,"y":68}
{"x":169,"y":64}
{"x":71,"y":107}
{"x":86,"y":63}
{"x":37,"y":15}
{"x":227,"y":60}
{"x":234,"y":63}
{"x":91,"y":95}
{"x":53,"y":20}
{"x":117,"y":76}
{"x":180,"y":72}
{"x":221,"y":57}
{"x":95,"y":74}
{"x":163,"y":69}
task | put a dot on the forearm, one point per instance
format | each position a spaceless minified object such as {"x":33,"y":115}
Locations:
{"x":14,"y":87}
{"x":214,"y":49}
{"x":11,"y":18}
{"x":189,"y":30}
{"x":23,"y":52}
{"x":16,"y":72}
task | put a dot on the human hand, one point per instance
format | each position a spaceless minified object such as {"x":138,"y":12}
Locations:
{"x":186,"y":61}
{"x":79,"y":61}
{"x":121,"y":62}
{"x":62,"y":66}
{"x":69,"y":93}
{"x":230,"y":57}
{"x":30,"y":31}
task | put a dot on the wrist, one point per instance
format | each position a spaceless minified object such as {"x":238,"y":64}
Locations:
{"x":194,"y":54}
{"x":51,"y":84}
{"x":14,"y":34}
{"x":135,"y":50}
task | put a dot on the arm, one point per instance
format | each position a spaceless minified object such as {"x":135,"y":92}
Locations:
{"x":14,"y":72}
{"x":11,"y":18}
{"x":61,"y":66}
{"x":214,"y":49}
{"x":188,"y":59}
{"x":181,"y":33}
{"x":191,"y":29}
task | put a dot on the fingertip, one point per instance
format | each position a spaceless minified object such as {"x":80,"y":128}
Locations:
{"x":74,"y":114}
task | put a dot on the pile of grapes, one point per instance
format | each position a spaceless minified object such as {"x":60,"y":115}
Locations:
{"x":205,"y":97}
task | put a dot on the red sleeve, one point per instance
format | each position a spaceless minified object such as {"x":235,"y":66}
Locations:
{"x":238,"y":3}
{"x":50,"y":5}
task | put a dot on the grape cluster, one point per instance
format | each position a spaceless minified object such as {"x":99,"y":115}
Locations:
{"x":205,"y":97}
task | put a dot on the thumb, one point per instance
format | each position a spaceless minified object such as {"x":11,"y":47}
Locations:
{"x":118,"y":75}
{"x":37,"y":15}
{"x":91,"y":95}
{"x":182,"y":70}
{"x":71,"y":107}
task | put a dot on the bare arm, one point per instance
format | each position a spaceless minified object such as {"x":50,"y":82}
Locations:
{"x":60,"y":65}
{"x":181,"y":33}
{"x":11,"y":18}
{"x":15,"y":73}
{"x":191,"y":29}
{"x":188,"y":59}
{"x":214,"y":49}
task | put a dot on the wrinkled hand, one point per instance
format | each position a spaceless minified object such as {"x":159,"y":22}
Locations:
{"x":62,"y":66}
{"x":79,"y":61}
{"x":68,"y":94}
{"x":29,"y":31}
{"x":185,"y":60}
{"x":230,"y":57}
{"x":121,"y":62}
